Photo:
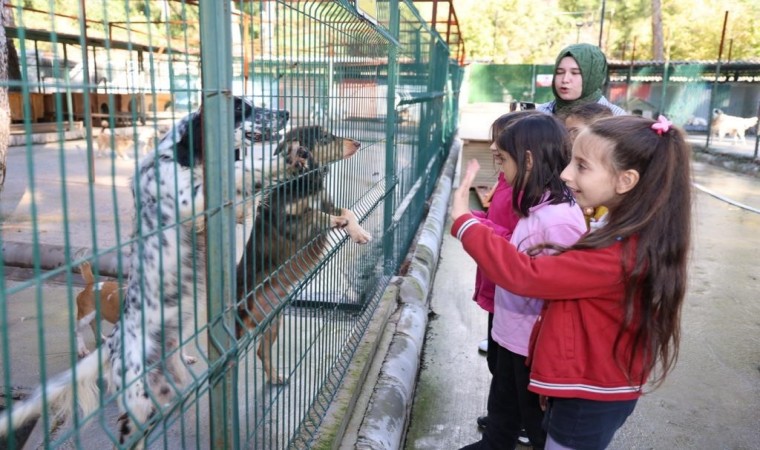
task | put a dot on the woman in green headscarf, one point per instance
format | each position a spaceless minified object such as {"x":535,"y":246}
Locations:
{"x":579,"y":73}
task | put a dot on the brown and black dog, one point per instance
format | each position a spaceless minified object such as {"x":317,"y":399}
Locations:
{"x":289,"y":234}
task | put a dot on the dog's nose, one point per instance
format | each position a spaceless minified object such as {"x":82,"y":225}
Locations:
{"x":356,"y":144}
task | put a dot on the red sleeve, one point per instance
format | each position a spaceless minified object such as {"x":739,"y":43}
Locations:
{"x":499,"y":230}
{"x":571,"y":275}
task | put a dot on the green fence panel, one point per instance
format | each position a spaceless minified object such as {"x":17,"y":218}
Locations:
{"x":509,"y":82}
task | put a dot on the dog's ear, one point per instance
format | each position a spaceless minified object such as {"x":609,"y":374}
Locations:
{"x":189,"y":148}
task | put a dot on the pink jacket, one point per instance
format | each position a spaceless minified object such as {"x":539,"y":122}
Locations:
{"x":514,"y":315}
{"x":502,"y":219}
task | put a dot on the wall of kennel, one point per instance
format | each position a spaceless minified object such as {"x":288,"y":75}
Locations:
{"x":238,"y":249}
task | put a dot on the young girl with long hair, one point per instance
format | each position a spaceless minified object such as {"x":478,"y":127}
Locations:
{"x":502,"y":218}
{"x":531,"y":153}
{"x":611,"y":321}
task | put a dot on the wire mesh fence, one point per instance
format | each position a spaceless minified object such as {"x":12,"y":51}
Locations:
{"x":203,"y":205}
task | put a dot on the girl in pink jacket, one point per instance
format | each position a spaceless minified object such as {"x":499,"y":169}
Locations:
{"x":531,"y":153}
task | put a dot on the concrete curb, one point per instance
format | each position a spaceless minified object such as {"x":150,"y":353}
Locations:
{"x":20,"y":140}
{"x":386,"y":418}
{"x":23,"y":254}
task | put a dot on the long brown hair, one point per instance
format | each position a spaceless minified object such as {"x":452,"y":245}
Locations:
{"x":505,"y":120}
{"x":653,"y":221}
{"x":547,"y":140}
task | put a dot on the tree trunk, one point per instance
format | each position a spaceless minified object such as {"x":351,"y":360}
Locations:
{"x":5,"y":110}
{"x":658,"y":46}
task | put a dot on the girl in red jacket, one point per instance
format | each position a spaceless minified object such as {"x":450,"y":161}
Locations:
{"x":611,"y":319}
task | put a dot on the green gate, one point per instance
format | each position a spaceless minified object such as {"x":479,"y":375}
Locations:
{"x":97,"y":95}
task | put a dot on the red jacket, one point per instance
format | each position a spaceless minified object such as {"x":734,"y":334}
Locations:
{"x":572,"y":350}
{"x":502,"y":218}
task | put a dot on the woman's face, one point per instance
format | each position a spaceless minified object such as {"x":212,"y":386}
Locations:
{"x":568,"y":80}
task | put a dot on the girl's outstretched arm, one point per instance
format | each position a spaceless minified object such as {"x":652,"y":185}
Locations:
{"x":460,"y":203}
{"x":571,"y":275}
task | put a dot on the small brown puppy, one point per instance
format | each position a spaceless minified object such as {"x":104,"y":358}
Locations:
{"x":123,"y":145}
{"x":105,"y":292}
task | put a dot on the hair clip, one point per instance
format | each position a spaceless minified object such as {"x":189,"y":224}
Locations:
{"x":662,"y":125}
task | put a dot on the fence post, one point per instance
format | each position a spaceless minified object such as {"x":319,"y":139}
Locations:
{"x":757,"y":132}
{"x":389,"y":205}
{"x":216,"y":70}
{"x":715,"y":83}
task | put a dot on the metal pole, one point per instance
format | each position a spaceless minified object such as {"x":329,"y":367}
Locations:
{"x":391,"y":177}
{"x":757,"y":132}
{"x":601,"y":23}
{"x":715,"y":82}
{"x":216,"y":72}
{"x":630,"y":74}
{"x":86,"y":98}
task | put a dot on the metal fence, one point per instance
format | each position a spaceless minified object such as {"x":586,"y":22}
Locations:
{"x":222,"y":165}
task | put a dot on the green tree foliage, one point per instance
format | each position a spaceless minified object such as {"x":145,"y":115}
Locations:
{"x":137,"y":21}
{"x":532,"y":32}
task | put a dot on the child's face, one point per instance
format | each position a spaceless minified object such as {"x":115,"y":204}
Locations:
{"x":568,"y":80}
{"x":574,"y":125}
{"x":590,"y":174}
{"x":505,"y":162}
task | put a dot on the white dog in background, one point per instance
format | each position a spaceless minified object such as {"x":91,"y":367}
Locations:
{"x":724,"y":125}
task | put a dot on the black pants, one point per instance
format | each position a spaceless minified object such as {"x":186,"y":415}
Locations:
{"x":510,"y":405}
{"x":492,"y":352}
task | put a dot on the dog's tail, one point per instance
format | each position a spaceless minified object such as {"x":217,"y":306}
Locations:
{"x":59,"y":395}
{"x":86,"y":270}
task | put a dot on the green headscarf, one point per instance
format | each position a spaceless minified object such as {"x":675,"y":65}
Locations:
{"x":593,"y":65}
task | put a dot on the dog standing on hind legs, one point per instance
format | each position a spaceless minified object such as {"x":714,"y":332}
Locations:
{"x":289,"y":234}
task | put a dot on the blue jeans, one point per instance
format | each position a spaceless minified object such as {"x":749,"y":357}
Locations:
{"x":585,"y":424}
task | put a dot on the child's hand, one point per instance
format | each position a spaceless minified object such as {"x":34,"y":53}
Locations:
{"x":460,"y":203}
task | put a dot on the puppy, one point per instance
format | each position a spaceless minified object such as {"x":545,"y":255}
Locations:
{"x":289,"y":235}
{"x":123,"y":145}
{"x":724,"y":125}
{"x":108,"y":294}
{"x":105,"y":293}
